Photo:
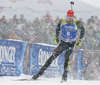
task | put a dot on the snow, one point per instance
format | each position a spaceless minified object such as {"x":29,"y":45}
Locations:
{"x":92,"y":2}
{"x":81,"y":9}
{"x":43,"y":81}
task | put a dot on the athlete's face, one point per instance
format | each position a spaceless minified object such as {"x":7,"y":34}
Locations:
{"x":70,"y":19}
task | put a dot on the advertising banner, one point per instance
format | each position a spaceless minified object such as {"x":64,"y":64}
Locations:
{"x":11,"y":57}
{"x":39,"y":55}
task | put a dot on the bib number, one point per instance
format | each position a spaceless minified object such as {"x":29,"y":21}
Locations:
{"x":68,"y":33}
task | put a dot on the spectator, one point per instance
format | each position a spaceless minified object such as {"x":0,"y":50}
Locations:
{"x":22,"y":20}
{"x":47,"y":18}
{"x":15,"y":20}
{"x":13,"y":36}
{"x":56,"y":20}
{"x":3,"y":20}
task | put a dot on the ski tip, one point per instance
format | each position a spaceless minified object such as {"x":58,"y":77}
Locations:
{"x":22,"y":80}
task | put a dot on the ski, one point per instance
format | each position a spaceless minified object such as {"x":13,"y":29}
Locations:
{"x":28,"y":79}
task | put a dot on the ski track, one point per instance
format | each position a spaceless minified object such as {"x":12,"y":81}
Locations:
{"x":44,"y":81}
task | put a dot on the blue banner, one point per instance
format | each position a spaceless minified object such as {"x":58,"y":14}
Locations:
{"x":39,"y":55}
{"x":11,"y":57}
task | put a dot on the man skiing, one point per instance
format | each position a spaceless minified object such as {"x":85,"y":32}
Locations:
{"x":68,"y":28}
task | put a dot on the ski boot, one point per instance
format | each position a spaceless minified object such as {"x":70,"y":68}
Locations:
{"x":64,"y":76}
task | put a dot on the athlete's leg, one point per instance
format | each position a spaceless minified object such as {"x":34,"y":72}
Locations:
{"x":60,"y":48}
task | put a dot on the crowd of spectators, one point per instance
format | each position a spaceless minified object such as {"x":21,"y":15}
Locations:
{"x":92,"y":33}
{"x":91,"y":46}
{"x":43,"y":31}
{"x":38,"y":31}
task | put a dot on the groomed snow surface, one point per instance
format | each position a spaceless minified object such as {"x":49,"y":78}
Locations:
{"x":7,"y":80}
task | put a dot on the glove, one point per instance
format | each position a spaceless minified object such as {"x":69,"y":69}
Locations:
{"x":56,"y":40}
{"x":79,"y":43}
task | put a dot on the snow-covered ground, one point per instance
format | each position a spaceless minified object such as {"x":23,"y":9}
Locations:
{"x":44,"y":81}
